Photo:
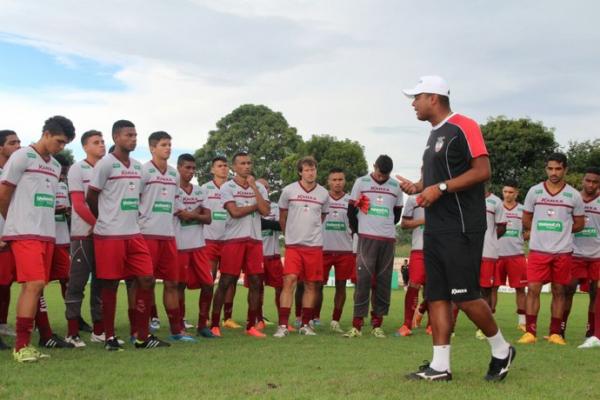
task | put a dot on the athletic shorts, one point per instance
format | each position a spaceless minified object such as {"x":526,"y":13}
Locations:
{"x":33,"y":259}
{"x":7,"y":266}
{"x":213,"y":250}
{"x":304,"y":262}
{"x":514,"y":268}
{"x":416,"y":268}
{"x":487,"y":272}
{"x":344,"y":265}
{"x":194,"y":269}
{"x":118,"y":259}
{"x":61,"y":263}
{"x":585,"y":268}
{"x":545,"y":268}
{"x":164,"y":259}
{"x":273,"y":271}
{"x":452,"y":263}
{"x":238,"y":256}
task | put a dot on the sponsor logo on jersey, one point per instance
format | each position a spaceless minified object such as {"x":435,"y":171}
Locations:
{"x":43,"y":200}
{"x":588,"y":232}
{"x":378,"y":211}
{"x":162,"y":207}
{"x":335,"y":226}
{"x":550,"y":226}
{"x":219,"y":215}
{"x":31,"y":155}
{"x":439,"y":143}
{"x":129,"y":204}
{"x":511,"y":233}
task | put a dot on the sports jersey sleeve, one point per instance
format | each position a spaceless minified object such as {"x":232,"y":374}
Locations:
{"x":14,"y":168}
{"x":263,"y":193}
{"x":284,"y":199}
{"x":578,"y":206}
{"x":500,"y":216}
{"x":179,"y":206}
{"x":529,"y":205}
{"x":409,"y":208}
{"x":325,"y":206}
{"x":75,"y":180}
{"x":226,"y":195}
{"x":355,"y":194}
{"x":472,"y":134}
{"x":400,"y":199}
{"x":101,"y":173}
{"x":145,"y":177}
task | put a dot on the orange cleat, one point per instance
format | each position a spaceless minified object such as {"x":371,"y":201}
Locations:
{"x":291,"y":328}
{"x":417,"y":319}
{"x":428,"y":330}
{"x":403,"y":331}
{"x":260,"y":325}
{"x":255,"y":332}
{"x":216,"y":331}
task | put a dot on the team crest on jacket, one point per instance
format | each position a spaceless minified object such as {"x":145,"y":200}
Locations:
{"x":439,"y":143}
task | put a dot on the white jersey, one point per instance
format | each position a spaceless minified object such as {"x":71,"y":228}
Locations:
{"x":337,"y":236}
{"x":551,"y":228}
{"x":587,"y":242}
{"x":189,"y":234}
{"x":494,"y":217}
{"x":270,"y":236}
{"x":119,"y":196}
{"x":157,"y":203}
{"x":378,"y":223}
{"x":62,"y":225}
{"x":216,"y":230}
{"x":511,"y":243}
{"x":1,"y":218}
{"x":31,"y":209}
{"x":304,"y":208}
{"x":247,"y":227}
{"x":414,"y":211}
{"x":78,"y":179}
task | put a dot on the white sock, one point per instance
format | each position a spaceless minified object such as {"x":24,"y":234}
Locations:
{"x":521,"y":319}
{"x":441,"y":358}
{"x":499,"y":345}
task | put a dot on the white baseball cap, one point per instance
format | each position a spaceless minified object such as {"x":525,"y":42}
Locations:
{"x":432,"y":84}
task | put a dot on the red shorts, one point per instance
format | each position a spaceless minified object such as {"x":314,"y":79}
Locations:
{"x":194,"y":268}
{"x":273,"y":271}
{"x":304,"y":262}
{"x":7,"y":266}
{"x":585,"y":268}
{"x":33,"y":259}
{"x":213,"y":250}
{"x":61,"y":263}
{"x":122,"y":258}
{"x":544,"y":268}
{"x":513,"y":267}
{"x":487,"y":272}
{"x":241,"y":256}
{"x":344,"y":264}
{"x":416,"y":268}
{"x":164,"y":259}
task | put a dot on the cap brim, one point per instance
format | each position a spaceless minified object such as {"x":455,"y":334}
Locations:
{"x":410,"y":92}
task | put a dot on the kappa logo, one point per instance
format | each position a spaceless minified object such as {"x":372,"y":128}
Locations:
{"x":458,"y":291}
{"x":439,"y":143}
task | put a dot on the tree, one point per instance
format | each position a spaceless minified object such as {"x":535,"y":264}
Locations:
{"x":256,"y":129}
{"x":68,"y":154}
{"x":581,"y":156}
{"x":518,"y":149}
{"x":329,"y":153}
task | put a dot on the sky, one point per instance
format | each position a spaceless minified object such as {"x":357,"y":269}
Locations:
{"x":332,"y":67}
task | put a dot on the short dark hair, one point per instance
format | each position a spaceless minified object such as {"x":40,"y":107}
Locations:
{"x":120,"y":124}
{"x":239,"y":154}
{"x":89,"y":134}
{"x":4,"y":134}
{"x":558,"y":157}
{"x":62,"y":160}
{"x":384,"y":164}
{"x":218,"y":158}
{"x":336,"y":170}
{"x":307,"y":160}
{"x":444,"y":100}
{"x":511,"y":183}
{"x":592,"y":170}
{"x":185,"y":157}
{"x":59,"y":125}
{"x":156,"y":137}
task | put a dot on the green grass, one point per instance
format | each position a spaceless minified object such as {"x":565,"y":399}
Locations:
{"x":323,"y":367}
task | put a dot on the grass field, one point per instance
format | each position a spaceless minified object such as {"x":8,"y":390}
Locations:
{"x":323,"y":367}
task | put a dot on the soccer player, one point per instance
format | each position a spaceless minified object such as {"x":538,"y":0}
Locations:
{"x":9,"y":143}
{"x":245,"y":200}
{"x":214,"y":234}
{"x":553,"y":211}
{"x":413,"y":218}
{"x":455,"y":167}
{"x":191,"y":217}
{"x":27,"y":201}
{"x":121,"y":252}
{"x":61,"y":260}
{"x":511,"y":257}
{"x":374,"y":210}
{"x":302,"y":208}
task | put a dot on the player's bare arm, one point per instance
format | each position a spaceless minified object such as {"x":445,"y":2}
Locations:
{"x":92,"y":200}
{"x":408,"y":186}
{"x":202,"y":215}
{"x":578,"y":223}
{"x":282,"y":219}
{"x":263,"y":206}
{"x":500,"y":230}
{"x":240,"y":212}
{"x":410,"y":223}
{"x":6,"y":192}
{"x":527,"y":219}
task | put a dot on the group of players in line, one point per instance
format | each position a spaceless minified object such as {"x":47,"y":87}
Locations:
{"x":140,"y":223}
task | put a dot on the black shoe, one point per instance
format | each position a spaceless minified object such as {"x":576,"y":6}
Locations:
{"x":84,"y":326}
{"x":150,"y":343}
{"x":3,"y":346}
{"x":426,"y":373}
{"x":499,"y":367}
{"x":112,"y":344}
{"x":55,"y":342}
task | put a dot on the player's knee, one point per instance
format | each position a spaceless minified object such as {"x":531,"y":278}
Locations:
{"x":145,"y":282}
{"x":34,"y":287}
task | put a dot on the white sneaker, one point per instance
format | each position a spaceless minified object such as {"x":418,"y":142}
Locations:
{"x":306,"y":330}
{"x":335,"y":327}
{"x":75,"y":341}
{"x":187,"y":325}
{"x":589,"y":343}
{"x":154,"y":324}
{"x":101,"y":338}
{"x":282,"y":331}
{"x":7,"y":330}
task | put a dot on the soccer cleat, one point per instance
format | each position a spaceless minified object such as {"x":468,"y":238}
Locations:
{"x":417,"y":319}
{"x":187,"y":325}
{"x":255,"y":333}
{"x":182,"y":338}
{"x":429,"y":330}
{"x":3,"y":346}
{"x":479,"y":334}
{"x":527,"y":338}
{"x":101,"y":338}
{"x":352,"y":333}
{"x":154,"y":324}
{"x":55,"y":342}
{"x":426,"y":373}
{"x":231,"y":324}
{"x":315,"y":323}
{"x":297,"y":323}
{"x":7,"y":330}
{"x":216,"y":331}
{"x":26,"y":355}
{"x":76,"y":341}
{"x":378,"y":333}
{"x":281,"y":332}
{"x":132,"y":339}
{"x":260,"y":325}
{"x":113,"y":344}
{"x":151,"y":342}
{"x":205,"y":333}
{"x":403,"y":331}
{"x":498,"y":368}
{"x":268,"y":322}
{"x":84,"y":326}
{"x":291,"y":328}
{"x":335,"y":327}
{"x":306,"y":330}
{"x":522,"y":328}
{"x":557,"y":339}
{"x":589,"y":343}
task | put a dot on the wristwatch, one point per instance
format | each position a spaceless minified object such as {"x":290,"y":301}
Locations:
{"x":443,"y":187}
